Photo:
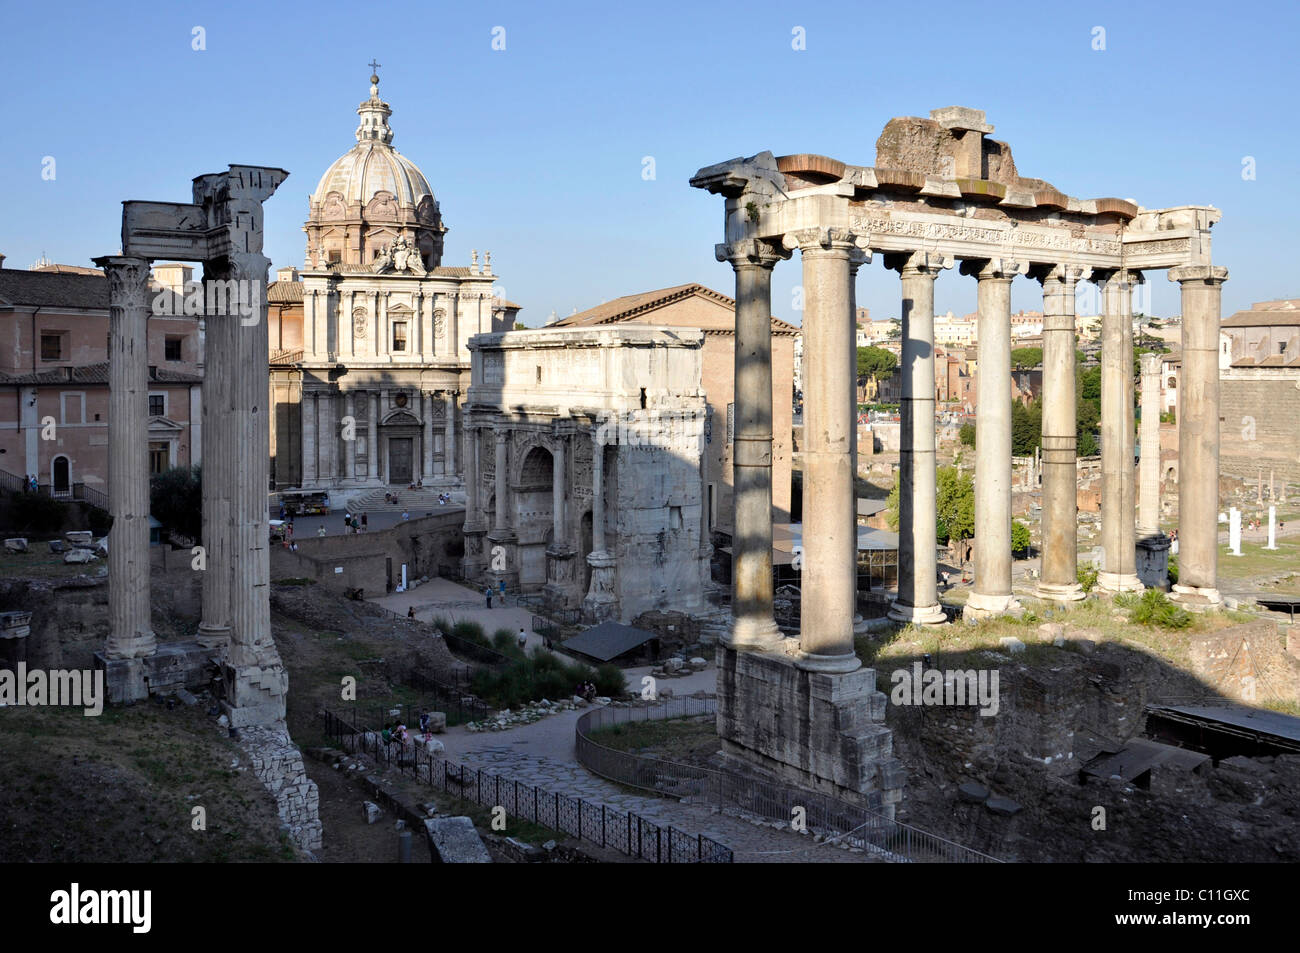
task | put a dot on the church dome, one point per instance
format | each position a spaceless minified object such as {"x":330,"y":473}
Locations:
{"x":370,"y":197}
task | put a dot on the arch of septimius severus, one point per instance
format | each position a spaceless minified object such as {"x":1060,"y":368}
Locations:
{"x":940,"y":193}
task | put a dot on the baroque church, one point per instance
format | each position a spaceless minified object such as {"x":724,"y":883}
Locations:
{"x":369,"y":360}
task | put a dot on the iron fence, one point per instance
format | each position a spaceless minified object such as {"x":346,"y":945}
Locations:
{"x":623,"y":831}
{"x":834,"y":818}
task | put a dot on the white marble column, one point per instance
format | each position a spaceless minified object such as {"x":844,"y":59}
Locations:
{"x":449,"y":440}
{"x":601,"y":602}
{"x":1198,"y":435}
{"x":310,"y":436}
{"x":372,"y":438}
{"x":557,"y":495}
{"x":130,"y":633}
{"x":1149,"y":462}
{"x":992,"y":593}
{"x":1118,"y":501}
{"x":918,"y":594}
{"x":830,"y":518}
{"x":428,"y":437}
{"x":218,"y":475}
{"x":350,"y":439}
{"x":1058,"y":576}
{"x":753,"y":626}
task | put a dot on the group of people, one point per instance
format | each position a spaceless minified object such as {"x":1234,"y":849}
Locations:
{"x":355,"y":524}
{"x":32,"y":483}
{"x":587,"y":691}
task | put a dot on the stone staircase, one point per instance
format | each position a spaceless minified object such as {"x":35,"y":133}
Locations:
{"x":416,"y":502}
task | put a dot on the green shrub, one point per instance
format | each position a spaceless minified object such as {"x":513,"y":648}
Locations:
{"x":1154,"y":608}
{"x":1086,"y":576}
{"x":469,"y":631}
{"x":504,"y":640}
{"x":1020,"y":538}
{"x":610,"y":680}
{"x":1173,"y":569}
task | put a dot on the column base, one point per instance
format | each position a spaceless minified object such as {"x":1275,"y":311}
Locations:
{"x":828,"y":664}
{"x":1196,"y":598}
{"x":1119,"y":582}
{"x":601,"y":603}
{"x":859,"y":625}
{"x":213,"y":636}
{"x":1060,"y":592}
{"x":754,"y":635}
{"x":917,"y":615}
{"x":983,"y":605}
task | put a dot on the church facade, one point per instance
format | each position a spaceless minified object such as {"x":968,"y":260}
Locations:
{"x":369,"y":341}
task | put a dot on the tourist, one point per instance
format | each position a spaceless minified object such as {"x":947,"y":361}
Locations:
{"x":282,"y":511}
{"x":321,"y":532}
{"x":410,"y":612}
{"x":424,"y":725}
{"x":364,"y":523}
{"x":347,"y":521}
{"x":503,"y":593}
{"x":488,"y":593}
{"x":419,"y":484}
{"x":405,"y":515}
{"x":523,"y":639}
{"x":293,"y":545}
{"x":288,"y":529}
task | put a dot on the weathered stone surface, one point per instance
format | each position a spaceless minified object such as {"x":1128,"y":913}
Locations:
{"x":370,"y":811}
{"x":78,"y":556}
{"x":16,"y":545}
{"x":1003,"y":806}
{"x":973,"y":792}
{"x":453,"y":840}
{"x":1011,"y":644}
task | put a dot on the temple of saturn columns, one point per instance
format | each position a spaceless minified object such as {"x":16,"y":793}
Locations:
{"x":941,"y":194}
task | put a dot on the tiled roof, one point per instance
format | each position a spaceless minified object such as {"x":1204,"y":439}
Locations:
{"x":633,"y":307}
{"x":1266,"y":314}
{"x":53,"y":289}
{"x":284,"y":292}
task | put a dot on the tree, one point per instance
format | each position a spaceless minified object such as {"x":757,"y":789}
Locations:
{"x":176,"y":500}
{"x":955,"y":503}
{"x":1019,"y":537}
{"x":891,"y":508}
{"x":520,"y":326}
{"x":1026,"y":427}
{"x":876,"y":362}
{"x":1026,"y":358}
{"x":895,"y":329}
{"x":1088,"y":444}
{"x":967,"y":434}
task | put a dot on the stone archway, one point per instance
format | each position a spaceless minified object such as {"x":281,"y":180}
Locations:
{"x":60,"y":475}
{"x":532,"y":504}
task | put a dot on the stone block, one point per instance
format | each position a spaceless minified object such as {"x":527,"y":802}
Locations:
{"x":972,"y":793}
{"x":370,"y":811}
{"x":80,"y":537}
{"x":78,"y":556}
{"x":1003,"y":806}
{"x":16,"y":544}
{"x":1011,"y":644}
{"x":437,"y":722}
{"x":57,"y":546}
{"x":453,"y":840}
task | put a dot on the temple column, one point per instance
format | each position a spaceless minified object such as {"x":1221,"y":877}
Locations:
{"x":310,"y":440}
{"x":130,"y":633}
{"x":1198,"y":436}
{"x":350,"y":443}
{"x":753,"y":624}
{"x":428,"y":437}
{"x":857,"y":259}
{"x":372,"y":438}
{"x":918,"y":594}
{"x":329,"y":437}
{"x":557,"y":496}
{"x":1058,"y":575}
{"x":1149,"y":462}
{"x":830,"y":524}
{"x":1118,"y":509}
{"x":449,"y":439}
{"x":501,"y":518}
{"x":601,"y":603}
{"x":992,"y":593}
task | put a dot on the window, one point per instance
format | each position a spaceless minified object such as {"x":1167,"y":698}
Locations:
{"x":52,"y":347}
{"x":172,"y":349}
{"x":334,"y":256}
{"x":159,"y":455}
{"x":399,"y":335}
{"x":157,"y":405}
{"x":72,"y":407}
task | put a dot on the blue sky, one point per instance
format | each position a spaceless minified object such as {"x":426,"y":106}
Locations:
{"x":535,"y":152}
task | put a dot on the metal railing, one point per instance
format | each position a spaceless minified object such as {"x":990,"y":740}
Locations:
{"x":623,"y":831}
{"x":832,"y":817}
{"x":14,"y":483}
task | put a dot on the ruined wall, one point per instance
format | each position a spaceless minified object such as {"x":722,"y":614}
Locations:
{"x":1260,"y":410}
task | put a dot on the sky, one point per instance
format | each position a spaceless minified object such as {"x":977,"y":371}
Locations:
{"x":538,"y":151}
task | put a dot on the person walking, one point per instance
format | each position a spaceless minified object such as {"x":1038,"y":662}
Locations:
{"x":488,"y":593}
{"x":503,"y":593}
{"x":321,"y":532}
{"x":364,"y":523}
{"x":523,"y":639}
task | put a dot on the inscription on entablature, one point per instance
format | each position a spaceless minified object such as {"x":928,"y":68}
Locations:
{"x":1162,"y":246}
{"x":942,"y":231}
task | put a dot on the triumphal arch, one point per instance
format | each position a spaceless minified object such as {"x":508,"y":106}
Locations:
{"x":941,"y":194}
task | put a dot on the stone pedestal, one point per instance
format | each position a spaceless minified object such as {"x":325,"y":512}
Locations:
{"x":15,"y":627}
{"x":1153,"y":561}
{"x":174,"y":665}
{"x":561,"y":591}
{"x":601,"y":603}
{"x":502,"y":560}
{"x":474,"y":562}
{"x":823,"y":731}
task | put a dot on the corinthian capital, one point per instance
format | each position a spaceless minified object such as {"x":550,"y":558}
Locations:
{"x":1207,"y":274}
{"x":908,"y":264}
{"x":993,"y":269}
{"x":128,"y":281}
{"x":752,"y":251}
{"x":820,"y":239}
{"x":1062,"y":273}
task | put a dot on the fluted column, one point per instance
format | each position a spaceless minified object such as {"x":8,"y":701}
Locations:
{"x":1118,"y":501}
{"x":501,"y":518}
{"x":557,"y":494}
{"x":329,"y":435}
{"x":600,"y":603}
{"x":1198,"y":435}
{"x":372,"y":439}
{"x":1058,"y":575}
{"x":219,"y":473}
{"x":918,"y":594}
{"x":130,"y":633}
{"x":428,"y":437}
{"x":449,"y":441}
{"x":310,"y":434}
{"x":830,"y":518}
{"x":857,"y":259}
{"x":1149,"y":463}
{"x":350,"y":440}
{"x":598,"y":497}
{"x":992,"y":593}
{"x":753,"y":623}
